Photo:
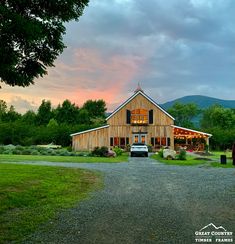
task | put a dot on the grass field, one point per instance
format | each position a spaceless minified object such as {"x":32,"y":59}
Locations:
{"x":31,"y":195}
{"x":192,"y":161}
{"x":71,"y":159}
{"x":189,"y":162}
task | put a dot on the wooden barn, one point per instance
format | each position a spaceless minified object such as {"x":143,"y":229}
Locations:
{"x":138,"y":119}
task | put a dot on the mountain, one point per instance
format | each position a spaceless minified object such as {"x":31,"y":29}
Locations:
{"x":201,"y":101}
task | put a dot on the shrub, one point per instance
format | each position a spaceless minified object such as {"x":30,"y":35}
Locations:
{"x":118,"y":151}
{"x":100,"y":151}
{"x":1,"y":149}
{"x":35,"y":152}
{"x":17,"y":152}
{"x":20,"y":148}
{"x":26,"y":151}
{"x":128,"y":147}
{"x":160,"y":153}
{"x":7,"y":151}
{"x":182,"y":155}
{"x":64,"y":153}
{"x":150,"y":147}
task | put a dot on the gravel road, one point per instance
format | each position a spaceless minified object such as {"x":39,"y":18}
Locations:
{"x":144,"y":201}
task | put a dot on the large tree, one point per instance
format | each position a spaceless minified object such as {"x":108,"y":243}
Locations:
{"x":184,"y":113}
{"x":31,"y":36}
{"x":67,"y":112}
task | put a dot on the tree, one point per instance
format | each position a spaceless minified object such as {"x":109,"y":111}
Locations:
{"x":67,"y":112}
{"x":218,"y":116}
{"x":184,"y":113}
{"x":12,"y":115}
{"x":95,"y":108}
{"x":83,"y":117}
{"x":3,"y":109}
{"x":31,"y":36}
{"x":44,"y":113}
{"x":29,"y":117}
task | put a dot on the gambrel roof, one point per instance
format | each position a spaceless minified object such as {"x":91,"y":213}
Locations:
{"x":132,"y":97}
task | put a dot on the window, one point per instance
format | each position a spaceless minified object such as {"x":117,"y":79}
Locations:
{"x":163,"y":141}
{"x":111,"y":141}
{"x":142,"y":139}
{"x":116,"y":141}
{"x":139,"y":116}
{"x":136,"y":139}
{"x":168,"y":141}
{"x":122,"y":141}
{"x":157,"y":141}
{"x":152,"y":141}
{"x":119,"y":141}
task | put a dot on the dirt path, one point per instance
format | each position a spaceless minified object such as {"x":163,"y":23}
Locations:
{"x":146,"y":202}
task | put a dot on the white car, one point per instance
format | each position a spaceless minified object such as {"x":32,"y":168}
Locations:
{"x":139,"y":149}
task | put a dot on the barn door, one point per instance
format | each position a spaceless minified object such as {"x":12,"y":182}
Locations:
{"x":139,"y":138}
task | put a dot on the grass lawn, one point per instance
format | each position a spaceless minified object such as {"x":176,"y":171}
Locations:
{"x":192,"y":161}
{"x":31,"y":195}
{"x":69,"y":159}
{"x":189,"y":162}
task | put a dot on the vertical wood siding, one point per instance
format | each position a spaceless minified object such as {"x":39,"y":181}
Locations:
{"x":89,"y":140}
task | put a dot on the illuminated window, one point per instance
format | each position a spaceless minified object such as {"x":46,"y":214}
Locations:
{"x":143,"y":139}
{"x":163,"y":141}
{"x":139,"y":116}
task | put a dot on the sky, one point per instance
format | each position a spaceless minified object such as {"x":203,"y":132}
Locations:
{"x":173,"y":48}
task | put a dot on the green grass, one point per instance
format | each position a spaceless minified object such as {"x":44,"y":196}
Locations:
{"x":31,"y":195}
{"x":189,"y":162}
{"x":69,"y":159}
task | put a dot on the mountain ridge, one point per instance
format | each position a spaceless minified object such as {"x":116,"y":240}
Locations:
{"x":201,"y":101}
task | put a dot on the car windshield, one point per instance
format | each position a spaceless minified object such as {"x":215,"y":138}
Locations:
{"x":138,"y":144}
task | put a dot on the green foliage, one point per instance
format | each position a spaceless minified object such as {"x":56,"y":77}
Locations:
{"x":150,"y":147}
{"x":220,"y":122}
{"x":181,"y":155}
{"x":44,"y":113}
{"x":100,"y":151}
{"x":32,"y":37}
{"x":217,"y":116}
{"x":118,"y":151}
{"x":184,"y":113}
{"x":160,"y":153}
{"x":43,"y":127}
{"x":67,"y":113}
{"x":95,"y":108}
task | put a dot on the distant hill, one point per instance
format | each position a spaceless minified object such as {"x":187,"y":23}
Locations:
{"x":201,"y":101}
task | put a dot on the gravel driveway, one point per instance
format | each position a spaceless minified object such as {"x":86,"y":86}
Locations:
{"x":144,"y":201}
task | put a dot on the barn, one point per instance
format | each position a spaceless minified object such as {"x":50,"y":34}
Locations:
{"x":138,"y":119}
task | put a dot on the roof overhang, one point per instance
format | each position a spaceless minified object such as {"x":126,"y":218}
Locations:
{"x":86,"y":131}
{"x":132,"y":97}
{"x":182,"y":131}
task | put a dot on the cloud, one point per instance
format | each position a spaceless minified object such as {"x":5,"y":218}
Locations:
{"x":174,"y":48}
{"x":22,"y":105}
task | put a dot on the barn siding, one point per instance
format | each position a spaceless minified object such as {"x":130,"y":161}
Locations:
{"x":118,"y":126}
{"x":89,"y":140}
{"x":159,"y":117}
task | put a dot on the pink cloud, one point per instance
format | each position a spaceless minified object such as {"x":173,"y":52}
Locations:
{"x":82,"y":74}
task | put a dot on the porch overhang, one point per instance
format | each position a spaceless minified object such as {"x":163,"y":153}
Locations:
{"x":181,"y":132}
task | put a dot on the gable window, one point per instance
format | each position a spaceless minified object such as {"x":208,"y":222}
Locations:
{"x":139,"y":117}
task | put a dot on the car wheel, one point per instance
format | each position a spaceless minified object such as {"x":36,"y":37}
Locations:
{"x":131,"y":154}
{"x":146,"y":154}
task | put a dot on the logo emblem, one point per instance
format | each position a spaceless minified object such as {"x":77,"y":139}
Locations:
{"x":213,"y":234}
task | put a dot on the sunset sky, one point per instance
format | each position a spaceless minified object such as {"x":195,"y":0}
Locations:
{"x":173,"y":48}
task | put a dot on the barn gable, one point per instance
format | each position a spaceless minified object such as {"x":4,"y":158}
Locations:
{"x":140,"y":101}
